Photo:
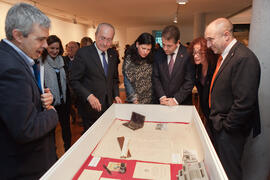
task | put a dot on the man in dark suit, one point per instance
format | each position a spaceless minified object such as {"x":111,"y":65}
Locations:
{"x":94,"y":76}
{"x":233,"y":95}
{"x":72,"y":47}
{"x":27,"y":120}
{"x":173,"y":74}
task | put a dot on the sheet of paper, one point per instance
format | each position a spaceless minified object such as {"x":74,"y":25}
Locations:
{"x":152,"y":171}
{"x":177,"y":158}
{"x":94,"y":162}
{"x":90,"y":174}
{"x":151,"y":148}
{"x":150,"y":144}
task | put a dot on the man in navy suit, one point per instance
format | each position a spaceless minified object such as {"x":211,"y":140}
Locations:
{"x":173,"y":74}
{"x":94,"y":76}
{"x":27,"y":119}
{"x":234,"y":109}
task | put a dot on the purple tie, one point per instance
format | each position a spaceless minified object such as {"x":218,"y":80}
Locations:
{"x":171,"y":63}
{"x":105,"y":64}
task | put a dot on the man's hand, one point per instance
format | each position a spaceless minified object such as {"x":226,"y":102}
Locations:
{"x":135,"y":101}
{"x":167,"y":101}
{"x":94,"y":102}
{"x":171,"y":102}
{"x":163,"y":101}
{"x":118,"y":100}
{"x":46,"y":99}
{"x":50,"y":107}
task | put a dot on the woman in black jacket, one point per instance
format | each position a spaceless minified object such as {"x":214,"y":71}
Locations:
{"x":205,"y":62}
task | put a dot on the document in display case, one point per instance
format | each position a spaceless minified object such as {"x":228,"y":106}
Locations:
{"x":172,"y":143}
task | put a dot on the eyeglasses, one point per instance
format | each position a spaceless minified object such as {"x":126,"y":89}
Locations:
{"x":102,"y":38}
{"x":198,"y":53}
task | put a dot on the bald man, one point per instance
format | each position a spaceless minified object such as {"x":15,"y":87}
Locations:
{"x":234,"y":95}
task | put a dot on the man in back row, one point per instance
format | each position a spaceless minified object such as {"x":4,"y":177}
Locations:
{"x":27,"y":119}
{"x":233,"y":102}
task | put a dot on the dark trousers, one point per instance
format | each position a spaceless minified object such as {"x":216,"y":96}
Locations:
{"x":89,"y":115}
{"x":65,"y":124}
{"x":229,"y":147}
{"x":71,"y":105}
{"x":90,"y":118}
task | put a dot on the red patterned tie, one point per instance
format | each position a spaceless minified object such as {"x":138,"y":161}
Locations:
{"x":213,"y":78}
{"x":171,"y":63}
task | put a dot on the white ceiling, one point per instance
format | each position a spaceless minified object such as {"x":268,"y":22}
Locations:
{"x":137,"y":12}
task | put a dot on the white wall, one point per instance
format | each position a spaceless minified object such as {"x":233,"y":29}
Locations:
{"x":64,"y":30}
{"x":210,"y":17}
{"x":186,"y":33}
{"x":242,"y":17}
{"x":67,"y":31}
{"x":121,"y":37}
{"x":134,"y":32}
{"x":91,"y":33}
{"x":256,"y":160}
{"x":3,"y":13}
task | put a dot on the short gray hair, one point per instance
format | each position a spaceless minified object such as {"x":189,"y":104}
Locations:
{"x":104,"y":24}
{"x":22,"y":16}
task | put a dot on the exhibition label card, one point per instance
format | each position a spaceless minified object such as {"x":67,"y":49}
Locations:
{"x":94,"y":162}
{"x":152,"y":171}
{"x":90,"y":174}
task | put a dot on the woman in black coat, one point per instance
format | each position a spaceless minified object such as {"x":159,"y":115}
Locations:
{"x":205,"y":62}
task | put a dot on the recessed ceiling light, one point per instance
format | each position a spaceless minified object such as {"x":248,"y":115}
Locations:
{"x":181,"y":2}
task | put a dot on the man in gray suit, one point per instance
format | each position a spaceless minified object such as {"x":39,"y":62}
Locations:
{"x":27,"y":119}
{"x":233,"y":95}
{"x":94,"y":76}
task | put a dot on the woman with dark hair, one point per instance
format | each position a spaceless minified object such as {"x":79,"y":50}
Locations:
{"x":137,"y":70}
{"x":205,"y":61}
{"x":54,"y":74}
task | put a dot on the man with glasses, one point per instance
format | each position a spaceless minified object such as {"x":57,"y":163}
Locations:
{"x":173,"y":74}
{"x":71,"y":48}
{"x":94,"y":76}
